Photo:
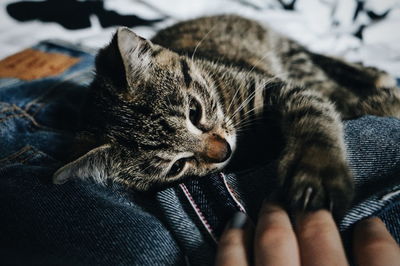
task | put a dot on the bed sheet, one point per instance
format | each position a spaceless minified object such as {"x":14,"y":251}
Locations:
{"x":359,"y":30}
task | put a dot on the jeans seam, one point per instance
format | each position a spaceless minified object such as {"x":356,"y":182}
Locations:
{"x":29,"y":117}
{"x":388,"y":205}
{"x":198,"y":212}
{"x":233,"y":194}
{"x":25,"y":114}
{"x":14,"y":156}
{"x":11,"y":116}
{"x":31,"y":155}
{"x":27,"y":148}
{"x":8,"y":107}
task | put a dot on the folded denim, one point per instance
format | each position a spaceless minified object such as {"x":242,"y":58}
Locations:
{"x":85,"y":223}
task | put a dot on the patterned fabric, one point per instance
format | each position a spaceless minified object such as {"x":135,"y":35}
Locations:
{"x":359,"y":30}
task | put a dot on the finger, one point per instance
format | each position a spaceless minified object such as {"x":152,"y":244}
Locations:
{"x":373,"y":244}
{"x":319,"y":239}
{"x":234,"y":243}
{"x":274,"y":241}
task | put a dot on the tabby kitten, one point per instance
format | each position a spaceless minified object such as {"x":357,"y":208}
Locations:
{"x":182,"y":104}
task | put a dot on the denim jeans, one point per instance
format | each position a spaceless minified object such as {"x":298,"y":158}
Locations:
{"x":83,"y":223}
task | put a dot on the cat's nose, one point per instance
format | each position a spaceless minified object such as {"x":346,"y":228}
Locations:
{"x":217,"y":149}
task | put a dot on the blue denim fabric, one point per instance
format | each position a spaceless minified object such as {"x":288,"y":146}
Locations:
{"x":86,"y":223}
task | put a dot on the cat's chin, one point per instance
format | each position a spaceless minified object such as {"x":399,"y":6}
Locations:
{"x":220,"y":166}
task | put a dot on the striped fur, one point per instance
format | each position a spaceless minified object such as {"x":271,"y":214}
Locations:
{"x":203,"y":88}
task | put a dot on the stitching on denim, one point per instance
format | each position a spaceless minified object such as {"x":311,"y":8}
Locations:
{"x":33,"y":153}
{"x":32,"y":120}
{"x":199,"y":213}
{"x":14,"y":108}
{"x":388,"y":205}
{"x":392,"y":194}
{"x":52,"y":88}
{"x":381,"y":206}
{"x":38,"y":109}
{"x":232,"y":193}
{"x":8,"y":107}
{"x":24,"y":114}
{"x":43,"y":96}
{"x":28,"y":116}
{"x":13,"y":157}
{"x":10,"y":116}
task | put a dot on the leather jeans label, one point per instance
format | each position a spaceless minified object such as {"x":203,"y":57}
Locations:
{"x":32,"y":64}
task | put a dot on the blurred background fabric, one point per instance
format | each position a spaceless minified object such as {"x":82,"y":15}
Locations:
{"x":365,"y":31}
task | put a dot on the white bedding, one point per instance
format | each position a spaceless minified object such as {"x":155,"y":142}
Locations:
{"x":325,"y":26}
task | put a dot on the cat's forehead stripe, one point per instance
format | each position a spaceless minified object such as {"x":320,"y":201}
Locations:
{"x":204,"y":93}
{"x":185,"y":70}
{"x":201,"y":89}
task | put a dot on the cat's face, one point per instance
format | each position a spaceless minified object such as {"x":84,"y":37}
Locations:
{"x":163,"y":121}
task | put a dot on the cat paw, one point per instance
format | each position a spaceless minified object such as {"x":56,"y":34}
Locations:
{"x":329,"y":188}
{"x":384,"y":102}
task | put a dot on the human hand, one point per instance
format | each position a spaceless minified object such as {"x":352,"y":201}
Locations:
{"x":315,"y":240}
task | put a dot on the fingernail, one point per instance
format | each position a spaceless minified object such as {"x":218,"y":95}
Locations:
{"x":238,"y":221}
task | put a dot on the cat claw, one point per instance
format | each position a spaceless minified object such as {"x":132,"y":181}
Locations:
{"x":307,"y":197}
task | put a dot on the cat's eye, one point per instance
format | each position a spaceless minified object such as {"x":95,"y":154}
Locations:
{"x":177,"y":167}
{"x":195,"y":112}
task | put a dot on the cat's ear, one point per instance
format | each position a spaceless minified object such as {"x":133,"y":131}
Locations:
{"x":96,"y":164}
{"x":126,"y":57}
{"x":136,"y":53}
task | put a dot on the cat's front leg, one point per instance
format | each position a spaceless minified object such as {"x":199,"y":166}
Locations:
{"x":313,"y":170}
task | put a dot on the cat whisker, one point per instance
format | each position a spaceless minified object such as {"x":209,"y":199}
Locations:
{"x":248,"y":123}
{"x":243,"y":121}
{"x":147,"y":167}
{"x":199,"y":43}
{"x":238,"y":89}
{"x":246,"y":102}
{"x":261,"y":59}
{"x":233,"y":98}
{"x":243,"y":104}
{"x":244,"y":118}
{"x":249,"y":98}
